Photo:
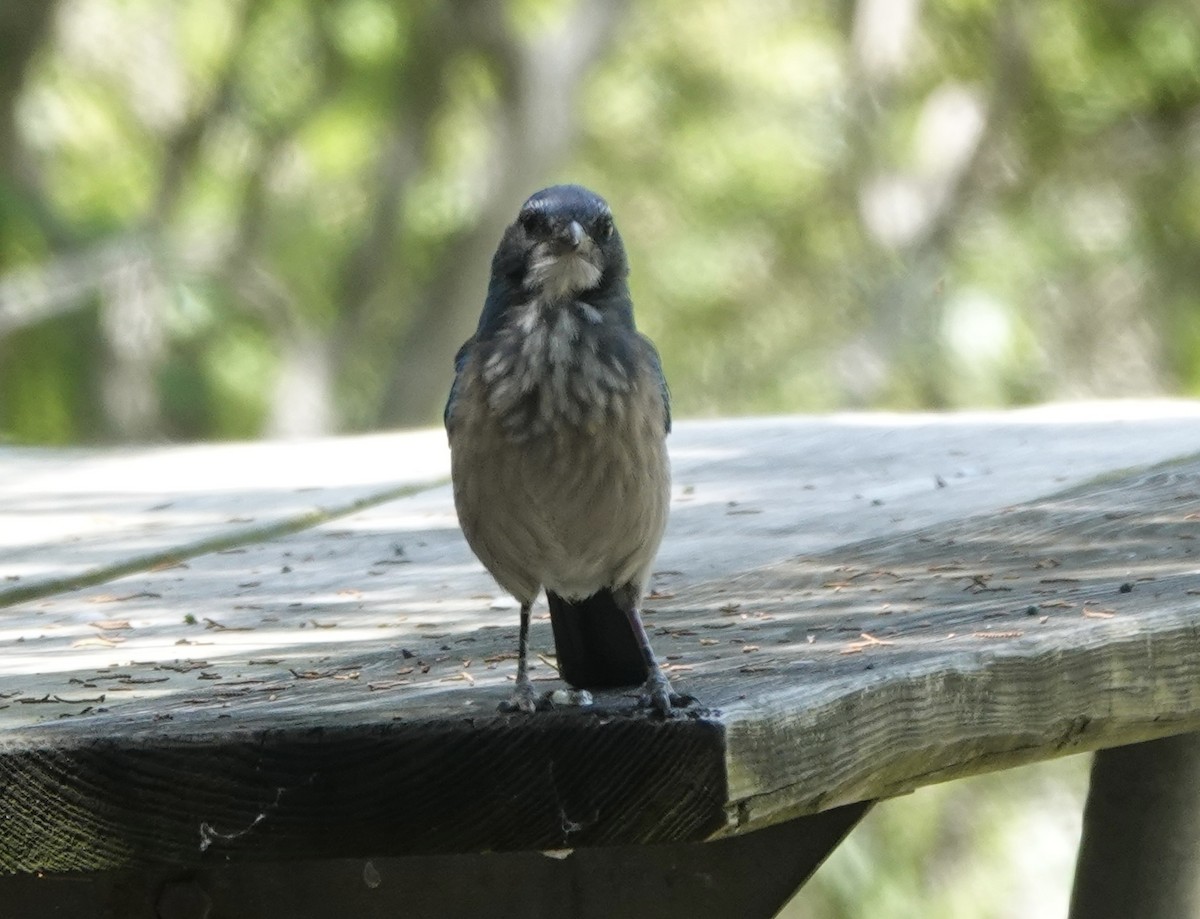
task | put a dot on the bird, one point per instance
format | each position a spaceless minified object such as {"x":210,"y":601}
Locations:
{"x":557,"y":422}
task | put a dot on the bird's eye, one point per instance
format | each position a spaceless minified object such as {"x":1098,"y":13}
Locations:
{"x":604,"y":228}
{"x":533,"y":222}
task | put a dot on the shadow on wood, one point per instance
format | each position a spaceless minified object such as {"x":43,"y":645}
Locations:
{"x":751,"y":876}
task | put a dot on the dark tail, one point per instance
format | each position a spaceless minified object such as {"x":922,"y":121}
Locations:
{"x":595,"y":644}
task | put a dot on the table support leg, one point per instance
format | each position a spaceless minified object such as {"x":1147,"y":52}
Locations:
{"x":1140,"y":851}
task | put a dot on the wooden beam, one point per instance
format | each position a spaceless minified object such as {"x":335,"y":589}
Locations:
{"x":1140,"y":852}
{"x":298,"y":791}
{"x":749,"y":876}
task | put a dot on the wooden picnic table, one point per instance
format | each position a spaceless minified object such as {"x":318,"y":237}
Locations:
{"x":262,"y":679}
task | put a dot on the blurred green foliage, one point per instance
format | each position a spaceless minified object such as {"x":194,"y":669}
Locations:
{"x":887,"y":203}
{"x":998,"y":846}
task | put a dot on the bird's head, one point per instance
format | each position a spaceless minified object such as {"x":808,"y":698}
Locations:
{"x":570,"y":242}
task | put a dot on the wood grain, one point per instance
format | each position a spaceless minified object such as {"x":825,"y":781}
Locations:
{"x":553,"y":782}
{"x":1065,"y":625}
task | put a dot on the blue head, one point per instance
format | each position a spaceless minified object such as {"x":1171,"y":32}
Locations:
{"x":562,"y":248}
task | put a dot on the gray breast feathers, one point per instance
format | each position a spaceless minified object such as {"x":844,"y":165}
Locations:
{"x":549,"y":368}
{"x":568,"y":484}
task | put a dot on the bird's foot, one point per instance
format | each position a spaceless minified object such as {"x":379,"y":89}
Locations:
{"x":523,"y":699}
{"x":657,"y":694}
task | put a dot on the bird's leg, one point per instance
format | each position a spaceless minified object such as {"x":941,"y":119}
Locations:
{"x":656,"y":691}
{"x":524,"y":698}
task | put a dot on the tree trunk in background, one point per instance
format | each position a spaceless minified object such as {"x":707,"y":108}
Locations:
{"x":533,"y":125}
{"x":302,"y":402}
{"x":23,"y":28}
{"x":132,"y":317}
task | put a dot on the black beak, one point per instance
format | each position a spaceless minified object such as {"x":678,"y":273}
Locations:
{"x":572,"y":235}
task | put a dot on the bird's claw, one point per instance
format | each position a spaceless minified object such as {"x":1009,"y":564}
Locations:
{"x":657,"y":694}
{"x":523,"y":699}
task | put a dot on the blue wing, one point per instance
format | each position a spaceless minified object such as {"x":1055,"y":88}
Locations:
{"x":460,"y":361}
{"x":656,"y":368}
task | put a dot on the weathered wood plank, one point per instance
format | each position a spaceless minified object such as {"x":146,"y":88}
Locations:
{"x":864,"y":670}
{"x":1067,"y":624}
{"x":204,"y":795}
{"x":72,"y":517}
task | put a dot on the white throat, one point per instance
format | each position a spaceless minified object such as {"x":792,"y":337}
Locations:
{"x":561,"y":277}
